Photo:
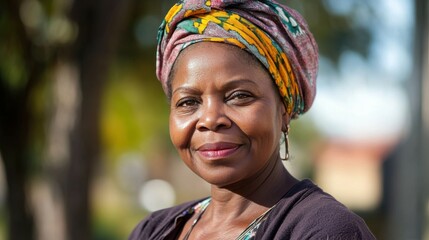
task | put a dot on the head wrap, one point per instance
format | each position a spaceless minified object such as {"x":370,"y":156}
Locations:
{"x":275,"y":34}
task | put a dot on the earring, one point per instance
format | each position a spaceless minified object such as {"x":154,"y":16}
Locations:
{"x":286,"y":142}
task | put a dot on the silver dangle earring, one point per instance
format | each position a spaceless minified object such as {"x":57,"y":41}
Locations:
{"x":286,"y":142}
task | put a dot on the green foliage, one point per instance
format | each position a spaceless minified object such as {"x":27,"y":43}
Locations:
{"x":105,"y":231}
{"x":12,"y":71}
{"x":11,"y":68}
{"x":334,"y":33}
{"x":135,"y":110}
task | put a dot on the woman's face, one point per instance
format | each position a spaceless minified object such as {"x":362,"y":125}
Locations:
{"x":226,"y":116}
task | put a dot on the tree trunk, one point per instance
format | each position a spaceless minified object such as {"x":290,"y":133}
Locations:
{"x":15,"y":128}
{"x":99,"y":24}
{"x":409,"y":198}
{"x":15,"y":156}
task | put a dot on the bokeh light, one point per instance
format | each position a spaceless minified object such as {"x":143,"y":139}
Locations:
{"x":156,"y":194}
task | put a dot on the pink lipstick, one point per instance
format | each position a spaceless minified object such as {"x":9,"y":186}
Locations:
{"x":217,"y":150}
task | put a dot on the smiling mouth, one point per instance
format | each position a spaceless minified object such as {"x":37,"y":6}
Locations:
{"x":217,"y":150}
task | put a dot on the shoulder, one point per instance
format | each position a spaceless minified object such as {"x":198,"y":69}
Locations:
{"x":307,"y":212}
{"x":160,"y":221}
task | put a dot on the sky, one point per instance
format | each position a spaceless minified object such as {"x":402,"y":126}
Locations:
{"x":366,"y":99}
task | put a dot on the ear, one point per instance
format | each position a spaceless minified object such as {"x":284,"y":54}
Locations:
{"x":285,"y":117}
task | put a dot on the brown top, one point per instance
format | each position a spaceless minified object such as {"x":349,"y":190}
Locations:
{"x":305,"y":212}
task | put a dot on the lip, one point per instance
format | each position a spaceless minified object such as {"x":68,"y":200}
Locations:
{"x":217,"y":150}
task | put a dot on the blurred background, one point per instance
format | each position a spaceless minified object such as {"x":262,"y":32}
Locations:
{"x":84,"y":143}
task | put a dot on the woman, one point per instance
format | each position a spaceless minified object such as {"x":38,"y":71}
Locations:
{"x":236,"y":73}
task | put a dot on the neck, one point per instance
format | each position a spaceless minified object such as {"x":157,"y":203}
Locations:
{"x":251,"y":196}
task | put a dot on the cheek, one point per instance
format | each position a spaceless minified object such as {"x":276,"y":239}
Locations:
{"x":181,"y":130}
{"x":265,"y":130}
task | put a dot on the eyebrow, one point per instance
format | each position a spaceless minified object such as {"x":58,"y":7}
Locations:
{"x":238,"y":82}
{"x":229,"y":84}
{"x":184,"y":89}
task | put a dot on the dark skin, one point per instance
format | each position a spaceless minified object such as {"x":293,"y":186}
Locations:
{"x":226,"y":120}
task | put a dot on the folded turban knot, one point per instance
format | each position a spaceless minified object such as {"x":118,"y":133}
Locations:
{"x":275,"y":34}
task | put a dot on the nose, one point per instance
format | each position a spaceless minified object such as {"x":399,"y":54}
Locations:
{"x":213,"y":117}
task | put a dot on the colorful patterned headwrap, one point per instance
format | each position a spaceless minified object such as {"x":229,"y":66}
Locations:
{"x":275,"y":34}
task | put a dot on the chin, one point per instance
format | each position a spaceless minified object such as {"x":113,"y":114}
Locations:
{"x":222,"y":178}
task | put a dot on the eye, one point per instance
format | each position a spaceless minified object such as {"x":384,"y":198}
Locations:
{"x":240,"y":97}
{"x":186,"y":103}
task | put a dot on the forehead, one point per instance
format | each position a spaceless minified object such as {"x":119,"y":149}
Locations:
{"x":232,"y":58}
{"x":228,"y":50}
{"x":226,"y":57}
